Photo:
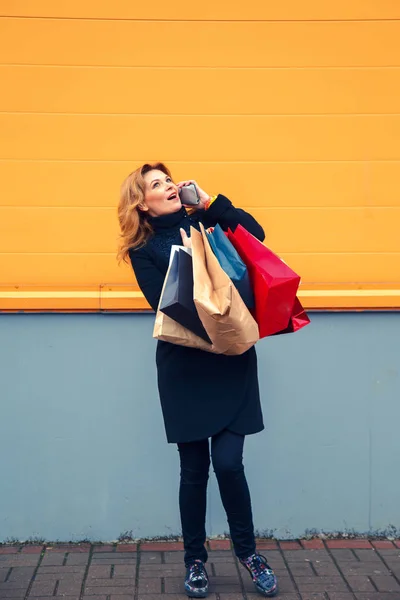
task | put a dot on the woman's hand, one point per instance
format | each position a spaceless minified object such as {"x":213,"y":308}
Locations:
{"x":204,"y":197}
{"x":186,"y":241}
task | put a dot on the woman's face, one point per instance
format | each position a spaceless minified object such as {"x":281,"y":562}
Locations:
{"x":161,"y":194}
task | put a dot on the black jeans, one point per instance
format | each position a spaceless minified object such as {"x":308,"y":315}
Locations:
{"x":227,"y":459}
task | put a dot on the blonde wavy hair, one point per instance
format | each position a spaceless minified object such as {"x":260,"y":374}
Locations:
{"x":135,"y":228}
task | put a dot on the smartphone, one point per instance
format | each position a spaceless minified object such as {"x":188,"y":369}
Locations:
{"x":189,"y":195}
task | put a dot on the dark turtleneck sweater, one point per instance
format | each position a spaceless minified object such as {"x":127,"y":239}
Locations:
{"x":201,"y":393}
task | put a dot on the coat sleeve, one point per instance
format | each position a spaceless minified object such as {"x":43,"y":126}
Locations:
{"x":223,"y":212}
{"x":148,"y":276}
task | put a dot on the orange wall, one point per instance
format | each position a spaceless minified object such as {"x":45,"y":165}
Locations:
{"x":290,"y":109}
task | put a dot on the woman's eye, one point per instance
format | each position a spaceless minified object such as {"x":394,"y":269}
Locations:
{"x":155,"y":185}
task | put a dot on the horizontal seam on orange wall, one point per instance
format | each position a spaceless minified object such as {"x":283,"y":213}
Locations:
{"x":244,"y":206}
{"x":202,"y":115}
{"x":119,"y":66}
{"x":291,"y":252}
{"x":137,"y":294}
{"x":113,"y":19}
{"x":203,"y":162}
{"x":205,"y":68}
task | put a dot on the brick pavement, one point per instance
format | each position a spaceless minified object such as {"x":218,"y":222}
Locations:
{"x":307,"y":570}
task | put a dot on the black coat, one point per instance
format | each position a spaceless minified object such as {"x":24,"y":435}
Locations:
{"x":201,"y":393}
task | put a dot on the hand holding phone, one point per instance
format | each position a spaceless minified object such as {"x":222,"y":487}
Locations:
{"x":189,"y":195}
{"x":192,"y":195}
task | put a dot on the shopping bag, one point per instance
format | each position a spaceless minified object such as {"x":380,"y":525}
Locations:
{"x":168,"y":330}
{"x":222,"y":311}
{"x":177,"y":299}
{"x":232,"y":264}
{"x":298,"y":319}
{"x":274,"y":283}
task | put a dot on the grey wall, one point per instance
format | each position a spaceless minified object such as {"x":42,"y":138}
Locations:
{"x":83,"y":452}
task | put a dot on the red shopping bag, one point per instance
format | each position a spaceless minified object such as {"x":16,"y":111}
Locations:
{"x":274,"y":283}
{"x":298,"y":319}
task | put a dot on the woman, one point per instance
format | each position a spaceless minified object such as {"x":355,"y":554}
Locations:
{"x":202,"y":395}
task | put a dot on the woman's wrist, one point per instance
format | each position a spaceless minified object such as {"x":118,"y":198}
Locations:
{"x":210,"y":200}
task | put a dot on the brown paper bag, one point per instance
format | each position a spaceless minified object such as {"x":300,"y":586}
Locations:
{"x":168,"y":330}
{"x":222,"y":311}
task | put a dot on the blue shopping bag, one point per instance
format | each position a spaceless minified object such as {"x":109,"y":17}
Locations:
{"x":232,"y":264}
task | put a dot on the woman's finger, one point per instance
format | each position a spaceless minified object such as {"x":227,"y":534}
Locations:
{"x":183,"y":183}
{"x":186,"y":241}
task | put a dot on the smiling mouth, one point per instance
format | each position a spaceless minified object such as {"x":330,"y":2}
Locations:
{"x":172,"y":197}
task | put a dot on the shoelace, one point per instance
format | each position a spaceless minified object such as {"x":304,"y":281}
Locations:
{"x":259,"y":567}
{"x":197,"y":572}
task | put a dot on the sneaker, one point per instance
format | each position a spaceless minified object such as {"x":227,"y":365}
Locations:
{"x":196,"y":580}
{"x":263,"y":576}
